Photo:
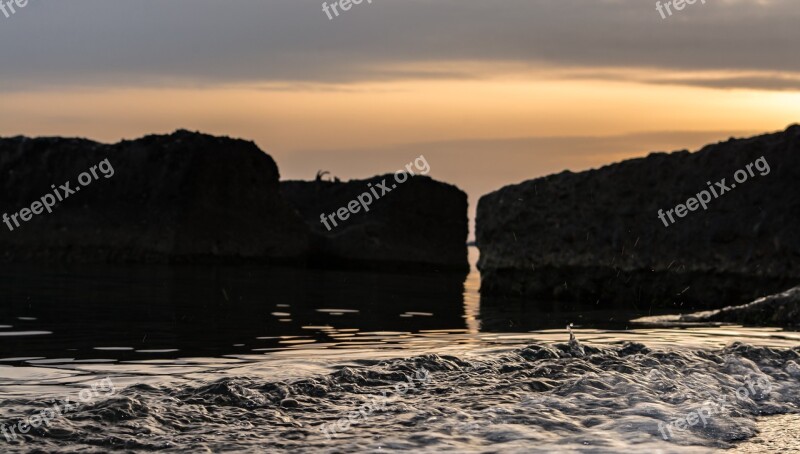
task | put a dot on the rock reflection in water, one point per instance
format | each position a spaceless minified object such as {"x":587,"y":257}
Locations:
{"x":136,"y":311}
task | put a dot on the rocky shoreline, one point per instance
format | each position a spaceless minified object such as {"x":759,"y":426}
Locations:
{"x":596,"y":237}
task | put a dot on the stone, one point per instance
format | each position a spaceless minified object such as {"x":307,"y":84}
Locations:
{"x":421,"y":224}
{"x":595,"y":237}
{"x":779,"y":310}
{"x":183,"y":197}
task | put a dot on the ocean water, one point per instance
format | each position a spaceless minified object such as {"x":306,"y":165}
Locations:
{"x":249,"y":359}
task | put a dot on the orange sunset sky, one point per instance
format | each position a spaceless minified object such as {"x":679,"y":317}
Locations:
{"x":492,"y":93}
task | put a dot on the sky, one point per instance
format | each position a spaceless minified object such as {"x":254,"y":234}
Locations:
{"x":490,"y":92}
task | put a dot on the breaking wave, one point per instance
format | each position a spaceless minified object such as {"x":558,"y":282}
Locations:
{"x":565,"y":397}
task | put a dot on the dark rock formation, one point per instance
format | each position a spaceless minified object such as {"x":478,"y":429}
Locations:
{"x":781,"y":310}
{"x":596,"y":236}
{"x":181,"y":197}
{"x":421,"y":223}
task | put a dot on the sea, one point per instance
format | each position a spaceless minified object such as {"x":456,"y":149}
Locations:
{"x":156,"y":358}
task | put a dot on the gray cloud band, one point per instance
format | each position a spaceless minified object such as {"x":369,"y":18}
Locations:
{"x":270,"y":35}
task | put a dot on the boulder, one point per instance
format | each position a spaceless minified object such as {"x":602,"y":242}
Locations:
{"x":184,"y":197}
{"x":419,"y":224}
{"x":596,"y":236}
{"x":780,"y":310}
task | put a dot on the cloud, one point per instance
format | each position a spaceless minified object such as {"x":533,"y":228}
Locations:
{"x":155,"y":42}
{"x":766,"y":82}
